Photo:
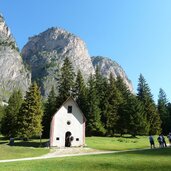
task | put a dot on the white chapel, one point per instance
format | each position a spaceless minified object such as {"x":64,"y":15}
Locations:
{"x":68,"y":126}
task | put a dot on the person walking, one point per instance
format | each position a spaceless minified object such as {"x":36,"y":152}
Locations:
{"x":164,"y":142}
{"x":151,"y":139}
{"x":169,"y":138}
{"x":160,"y":141}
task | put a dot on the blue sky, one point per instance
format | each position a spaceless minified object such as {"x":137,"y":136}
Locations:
{"x":134,"y":33}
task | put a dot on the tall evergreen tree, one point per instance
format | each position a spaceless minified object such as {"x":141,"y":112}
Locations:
{"x":9,"y":121}
{"x":66,"y":82}
{"x":112,"y":106}
{"x":137,"y":121}
{"x":50,"y":109}
{"x":80,"y":92}
{"x":2,"y":114}
{"x":30,"y":115}
{"x":123,"y":121}
{"x":101,"y":84}
{"x":169,"y":109}
{"x":145,"y":96}
{"x":94,"y":125}
{"x":163,"y":111}
{"x":122,"y":87}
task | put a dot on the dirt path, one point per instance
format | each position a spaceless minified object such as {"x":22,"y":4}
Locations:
{"x":69,"y":153}
{"x":65,"y":152}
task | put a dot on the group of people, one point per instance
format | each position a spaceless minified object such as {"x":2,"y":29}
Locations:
{"x":161,"y":140}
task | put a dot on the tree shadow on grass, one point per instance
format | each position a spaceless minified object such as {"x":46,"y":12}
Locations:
{"x":3,"y":138}
{"x":126,"y":136}
{"x":3,"y":142}
{"x":152,"y":152}
{"x":30,"y":144}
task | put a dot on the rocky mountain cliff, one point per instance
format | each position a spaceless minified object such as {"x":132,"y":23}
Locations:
{"x":45,"y":53}
{"x":108,"y":66}
{"x":12,"y":70}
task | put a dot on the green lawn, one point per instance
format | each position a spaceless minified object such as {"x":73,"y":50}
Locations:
{"x":31,"y":148}
{"x":118,"y":143}
{"x":21,"y":149}
{"x":147,"y":160}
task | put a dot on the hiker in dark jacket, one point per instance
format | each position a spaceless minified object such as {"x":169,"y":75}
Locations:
{"x":160,"y":140}
{"x":164,"y":142}
{"x":151,"y":139}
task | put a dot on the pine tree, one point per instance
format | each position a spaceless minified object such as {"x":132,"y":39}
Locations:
{"x":94,"y":125}
{"x":123,"y":121}
{"x":30,"y":115}
{"x":163,"y":111}
{"x":112,"y":106}
{"x":80,"y":92}
{"x":137,"y":123}
{"x":50,"y":109}
{"x":101,"y":85}
{"x":66,"y":82}
{"x":150,"y":109}
{"x":2,"y":114}
{"x":100,"y":82}
{"x":9,"y":121}
{"x":104,"y":102}
{"x":169,"y":110}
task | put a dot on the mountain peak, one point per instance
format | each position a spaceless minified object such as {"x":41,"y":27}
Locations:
{"x":6,"y":37}
{"x":46,"y":52}
{"x":107,"y":66}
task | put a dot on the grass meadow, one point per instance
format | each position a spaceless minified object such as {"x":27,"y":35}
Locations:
{"x":32,"y":148}
{"x":21,"y":149}
{"x":118,"y":143}
{"x":140,"y":160}
{"x":146,"y":160}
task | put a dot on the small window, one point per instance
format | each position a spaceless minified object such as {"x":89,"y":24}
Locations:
{"x":57,"y":138}
{"x":77,"y":139}
{"x":69,"y":109}
{"x":68,"y":122}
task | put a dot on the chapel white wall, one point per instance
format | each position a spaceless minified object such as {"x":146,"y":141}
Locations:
{"x":76,"y":127}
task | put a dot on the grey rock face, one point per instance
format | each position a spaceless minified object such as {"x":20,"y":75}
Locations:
{"x":12,"y":70}
{"x":108,"y":66}
{"x":6,"y":38}
{"x":45,"y":53}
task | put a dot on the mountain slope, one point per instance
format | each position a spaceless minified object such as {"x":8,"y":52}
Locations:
{"x":45,"y":53}
{"x":13,"y":74}
{"x":108,"y":66}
